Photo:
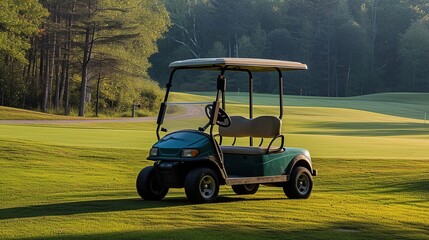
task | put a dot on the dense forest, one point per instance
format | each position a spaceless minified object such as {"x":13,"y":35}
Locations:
{"x":352,"y":47}
{"x":81,"y":56}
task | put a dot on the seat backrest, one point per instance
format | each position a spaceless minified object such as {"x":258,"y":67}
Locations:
{"x":263,"y":127}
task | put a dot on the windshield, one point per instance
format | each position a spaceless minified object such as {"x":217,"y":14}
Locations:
{"x":184,"y":110}
{"x":184,"y":115}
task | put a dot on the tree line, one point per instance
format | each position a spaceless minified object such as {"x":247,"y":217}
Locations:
{"x":352,"y":47}
{"x":87,"y":56}
{"x":63,"y":55}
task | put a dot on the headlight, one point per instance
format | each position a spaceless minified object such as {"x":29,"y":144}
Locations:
{"x":187,"y":153}
{"x":307,"y":154}
{"x":154,"y":152}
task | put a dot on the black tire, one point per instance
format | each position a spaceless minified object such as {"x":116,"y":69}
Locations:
{"x":148,"y":186}
{"x":201,"y":185}
{"x":300,"y":184}
{"x":245,"y":189}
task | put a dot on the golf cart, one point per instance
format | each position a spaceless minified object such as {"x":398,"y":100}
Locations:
{"x":197,"y":157}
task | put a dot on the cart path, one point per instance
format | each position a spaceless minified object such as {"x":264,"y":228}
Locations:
{"x":190,"y":111}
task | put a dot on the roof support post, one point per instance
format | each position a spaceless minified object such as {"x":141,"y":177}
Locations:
{"x":250,"y":101}
{"x":222,"y":72}
{"x":163,"y":106}
{"x":280,"y":92}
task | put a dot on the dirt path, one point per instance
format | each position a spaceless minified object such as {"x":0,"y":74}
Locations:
{"x":190,"y":111}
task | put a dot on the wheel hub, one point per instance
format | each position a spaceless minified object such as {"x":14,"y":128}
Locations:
{"x":155,"y":186}
{"x":207,"y":186}
{"x":303,"y":184}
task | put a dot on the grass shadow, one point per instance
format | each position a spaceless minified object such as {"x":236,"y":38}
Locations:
{"x":417,"y":186}
{"x":91,"y":206}
{"x":333,"y":230}
{"x":110,"y":205}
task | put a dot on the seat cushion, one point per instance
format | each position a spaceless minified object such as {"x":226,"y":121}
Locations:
{"x":262,"y":126}
{"x":248,"y":150}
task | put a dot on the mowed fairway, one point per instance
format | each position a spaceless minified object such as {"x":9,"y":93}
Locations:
{"x":78,"y":180}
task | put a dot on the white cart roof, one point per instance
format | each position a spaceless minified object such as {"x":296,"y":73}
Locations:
{"x":252,"y":64}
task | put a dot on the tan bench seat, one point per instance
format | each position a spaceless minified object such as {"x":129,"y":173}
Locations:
{"x":262,"y":127}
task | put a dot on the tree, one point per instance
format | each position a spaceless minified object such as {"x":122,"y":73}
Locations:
{"x":130,"y":28}
{"x":280,"y":44}
{"x":19,"y":22}
{"x":414,"y":53}
{"x":81,"y":45}
{"x":218,"y":50}
{"x":108,"y":38}
{"x":353,"y":51}
{"x":19,"y":19}
{"x":185,"y":22}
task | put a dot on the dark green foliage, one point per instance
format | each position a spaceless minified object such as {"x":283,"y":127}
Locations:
{"x":19,"y":19}
{"x":351,"y":47}
{"x":414,"y":52}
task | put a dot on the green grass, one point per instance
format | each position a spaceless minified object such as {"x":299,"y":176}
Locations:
{"x":78,"y":181}
{"x":7,"y":113}
{"x":54,"y":192}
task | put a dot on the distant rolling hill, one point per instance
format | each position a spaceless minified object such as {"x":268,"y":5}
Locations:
{"x":410,"y":105}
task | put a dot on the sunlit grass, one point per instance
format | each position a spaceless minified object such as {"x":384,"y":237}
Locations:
{"x":78,"y":181}
{"x":55,"y":192}
{"x":7,"y":113}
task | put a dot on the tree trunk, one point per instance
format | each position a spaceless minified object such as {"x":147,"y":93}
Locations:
{"x":25,"y":77}
{"x":236,"y":46}
{"x":11,"y":76}
{"x":374,"y":34}
{"x":97,"y":107}
{"x":348,"y":75}
{"x":329,"y":63}
{"x":66,"y":90}
{"x":35,"y":83}
{"x":46,"y":83}
{"x":28,"y":69}
{"x":57,"y":70}
{"x":67,"y":63}
{"x":62,"y":77}
{"x":336,"y":72}
{"x":229,"y":45}
{"x":51,"y":70}
{"x":41,"y":66}
{"x":414,"y":76}
{"x":84,"y":71}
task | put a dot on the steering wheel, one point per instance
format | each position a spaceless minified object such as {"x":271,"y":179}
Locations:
{"x":223,"y":119}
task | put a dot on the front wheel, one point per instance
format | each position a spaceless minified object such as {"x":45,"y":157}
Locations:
{"x":245,"y":189}
{"x":300,"y":184}
{"x":201,"y":185}
{"x":148,"y":186}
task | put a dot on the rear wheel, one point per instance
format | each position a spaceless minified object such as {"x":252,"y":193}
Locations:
{"x":245,"y":189}
{"x":148,"y":186}
{"x":201,"y":185}
{"x":300,"y":184}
